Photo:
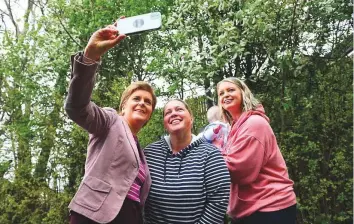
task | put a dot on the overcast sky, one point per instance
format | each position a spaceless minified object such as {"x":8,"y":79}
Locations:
{"x":18,"y":9}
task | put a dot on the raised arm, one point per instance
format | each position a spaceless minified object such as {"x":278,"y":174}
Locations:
{"x":78,"y":104}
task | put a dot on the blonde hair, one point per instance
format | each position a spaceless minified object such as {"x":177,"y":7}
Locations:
{"x":139,"y":85}
{"x":214,"y":114}
{"x":249,"y":102}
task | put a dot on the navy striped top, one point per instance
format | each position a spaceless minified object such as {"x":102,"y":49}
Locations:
{"x":192,"y":186}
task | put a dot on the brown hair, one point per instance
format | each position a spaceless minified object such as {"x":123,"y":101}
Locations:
{"x":184,"y":103}
{"x":249,"y":102}
{"x":139,"y":85}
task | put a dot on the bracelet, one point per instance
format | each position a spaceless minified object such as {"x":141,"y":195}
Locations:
{"x":87,"y":60}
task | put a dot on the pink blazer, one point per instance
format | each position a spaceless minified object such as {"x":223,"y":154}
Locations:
{"x":112,"y":162}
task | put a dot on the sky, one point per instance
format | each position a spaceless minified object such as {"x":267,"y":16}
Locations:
{"x":18,"y":9}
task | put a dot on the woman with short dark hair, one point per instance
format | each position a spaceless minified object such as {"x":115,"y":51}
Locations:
{"x":190,"y":180}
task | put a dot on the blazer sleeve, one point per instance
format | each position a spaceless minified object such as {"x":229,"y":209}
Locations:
{"x":78,"y":103}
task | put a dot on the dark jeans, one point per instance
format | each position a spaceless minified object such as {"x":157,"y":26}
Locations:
{"x":284,"y":216}
{"x":130,"y":213}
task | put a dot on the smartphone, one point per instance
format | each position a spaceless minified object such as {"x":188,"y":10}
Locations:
{"x":140,"y":23}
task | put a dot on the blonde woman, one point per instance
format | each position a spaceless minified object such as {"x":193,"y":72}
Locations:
{"x":261,"y":191}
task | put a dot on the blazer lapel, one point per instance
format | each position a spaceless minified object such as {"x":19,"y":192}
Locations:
{"x":131,"y":140}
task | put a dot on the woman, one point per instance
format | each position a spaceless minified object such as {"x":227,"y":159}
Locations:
{"x":116,"y":180}
{"x":261,"y":191}
{"x":190,"y":181}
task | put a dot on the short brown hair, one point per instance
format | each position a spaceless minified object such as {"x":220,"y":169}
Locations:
{"x":139,"y":85}
{"x":179,"y":100}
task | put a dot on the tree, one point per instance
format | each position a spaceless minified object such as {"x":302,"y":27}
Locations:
{"x":292,"y":54}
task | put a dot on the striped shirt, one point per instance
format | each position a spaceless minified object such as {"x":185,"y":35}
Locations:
{"x":192,"y":186}
{"x":134,"y":191}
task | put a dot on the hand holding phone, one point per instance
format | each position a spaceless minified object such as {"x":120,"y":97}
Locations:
{"x":101,"y":41}
{"x":140,"y":23}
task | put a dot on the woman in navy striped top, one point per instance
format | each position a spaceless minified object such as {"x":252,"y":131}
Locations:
{"x":190,"y":180}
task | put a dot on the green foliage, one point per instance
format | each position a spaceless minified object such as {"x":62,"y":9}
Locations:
{"x":320,"y":153}
{"x":153,"y":130}
{"x":292,"y":54}
{"x":199,"y":109}
{"x":31,"y":202}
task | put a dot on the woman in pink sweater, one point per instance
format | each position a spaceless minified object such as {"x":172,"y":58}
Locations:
{"x":261,"y":191}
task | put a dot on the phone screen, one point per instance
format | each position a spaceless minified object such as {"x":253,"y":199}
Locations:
{"x":140,"y":23}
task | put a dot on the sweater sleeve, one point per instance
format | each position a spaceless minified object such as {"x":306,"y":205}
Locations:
{"x":217,"y":184}
{"x":78,"y":103}
{"x":244,"y":157}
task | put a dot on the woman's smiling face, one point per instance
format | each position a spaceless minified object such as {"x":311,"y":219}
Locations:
{"x":230,"y":98}
{"x":137,"y":109}
{"x":177,"y":117}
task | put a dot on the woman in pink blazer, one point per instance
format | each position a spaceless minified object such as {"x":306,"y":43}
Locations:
{"x":116,"y":180}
